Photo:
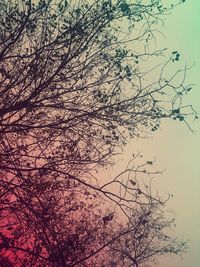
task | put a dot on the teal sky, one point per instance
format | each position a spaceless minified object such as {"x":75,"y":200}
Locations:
{"x":176,"y":149}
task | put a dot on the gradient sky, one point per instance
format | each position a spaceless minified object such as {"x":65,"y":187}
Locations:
{"x":176,"y":149}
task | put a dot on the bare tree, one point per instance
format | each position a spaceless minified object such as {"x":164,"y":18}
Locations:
{"x":43,"y":223}
{"x":49,"y":223}
{"x":147,"y":235}
{"x":73,"y":87}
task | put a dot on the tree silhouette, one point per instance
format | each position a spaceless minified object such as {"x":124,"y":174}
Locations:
{"x":74,"y":86}
{"x":43,"y":223}
{"x":147,"y":236}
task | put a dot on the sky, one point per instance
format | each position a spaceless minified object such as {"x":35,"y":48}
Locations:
{"x":175,"y":147}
